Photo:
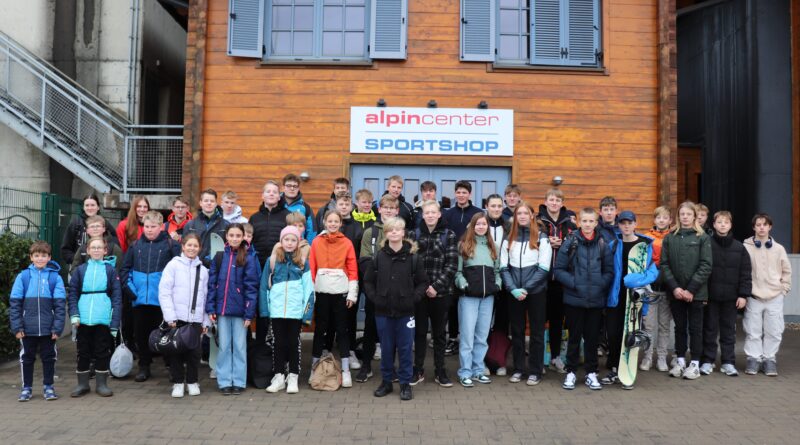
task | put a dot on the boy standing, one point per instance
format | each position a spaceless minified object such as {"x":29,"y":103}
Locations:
{"x":339,"y":185}
{"x":427,"y":192}
{"x":230,"y":210}
{"x":513,"y":196}
{"x":177,"y":220}
{"x":659,"y":315}
{"x":209,"y":220}
{"x":608,"y":220}
{"x":763,"y":316}
{"x":363,"y":213}
{"x":557,"y":225}
{"x":729,"y":286}
{"x":37,"y":309}
{"x":395,"y":189}
{"x":295,"y":203}
{"x":585,"y":269}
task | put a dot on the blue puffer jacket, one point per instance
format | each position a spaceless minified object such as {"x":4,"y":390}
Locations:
{"x":95,"y":294}
{"x":585,"y":268}
{"x":38,"y":304}
{"x":631,"y":280}
{"x":299,"y":205}
{"x":144,"y":263}
{"x":233,"y":290}
{"x":287,"y":293}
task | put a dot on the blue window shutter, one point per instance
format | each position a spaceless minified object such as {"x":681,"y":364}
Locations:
{"x":388,"y":33}
{"x":245,"y":23}
{"x":547,"y":32}
{"x":477,"y":30}
{"x":583,"y":32}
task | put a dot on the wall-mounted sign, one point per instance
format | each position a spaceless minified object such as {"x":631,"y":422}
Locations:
{"x":431,"y":131}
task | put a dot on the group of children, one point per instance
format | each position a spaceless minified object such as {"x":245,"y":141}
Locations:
{"x":501,"y":269}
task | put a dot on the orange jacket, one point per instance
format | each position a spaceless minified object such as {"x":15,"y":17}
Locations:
{"x":658,"y":237}
{"x":333,"y":251}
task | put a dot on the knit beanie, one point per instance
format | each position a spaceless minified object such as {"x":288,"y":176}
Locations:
{"x":291,"y":230}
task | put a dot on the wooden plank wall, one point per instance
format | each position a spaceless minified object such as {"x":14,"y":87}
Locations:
{"x":599,"y":131}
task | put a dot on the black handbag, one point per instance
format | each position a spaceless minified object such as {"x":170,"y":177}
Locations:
{"x":186,"y":337}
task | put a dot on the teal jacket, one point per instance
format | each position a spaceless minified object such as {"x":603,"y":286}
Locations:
{"x":686,"y":262}
{"x":95,"y":294}
{"x":286,"y":291}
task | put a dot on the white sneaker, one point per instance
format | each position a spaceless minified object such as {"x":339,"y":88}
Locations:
{"x":501,"y":371}
{"x":486,"y":371}
{"x":291,"y":384}
{"x":377,"y":354}
{"x":661,"y":364}
{"x":354,"y":362}
{"x":278,"y":384}
{"x":558,"y":365}
{"x":347,"y":381}
{"x":706,"y":368}
{"x":515,"y":377}
{"x":692,"y":372}
{"x":569,"y":381}
{"x":729,"y":370}
{"x":591,"y":381}
{"x":177,"y":390}
{"x":646,"y":364}
{"x":194,"y":389}
{"x":677,"y":370}
{"x":212,"y":374}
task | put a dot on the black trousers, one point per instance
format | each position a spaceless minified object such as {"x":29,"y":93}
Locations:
{"x":126,"y":325}
{"x":352,"y":322}
{"x":370,"y":334}
{"x":27,"y":356}
{"x":583,"y":323}
{"x":615,"y":326}
{"x":452,"y":318}
{"x":555,"y":315}
{"x":719,"y":319}
{"x":435,"y":310}
{"x":145,"y":319}
{"x":94,"y":344}
{"x":287,"y":345}
{"x":688,"y":315}
{"x":501,"y":311}
{"x":330,"y":310}
{"x":534,"y":307}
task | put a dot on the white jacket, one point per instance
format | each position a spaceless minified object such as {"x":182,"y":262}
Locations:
{"x":176,"y":289}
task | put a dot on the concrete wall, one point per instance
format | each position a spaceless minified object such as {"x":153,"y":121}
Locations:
{"x":791,"y":305}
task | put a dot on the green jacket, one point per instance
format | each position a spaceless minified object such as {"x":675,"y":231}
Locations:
{"x":686,"y":262}
{"x":481,"y":257}
{"x":366,"y":247}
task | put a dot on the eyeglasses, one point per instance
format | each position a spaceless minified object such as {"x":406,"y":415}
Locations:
{"x":291,"y":186}
{"x":96,"y":226}
{"x":97,"y":248}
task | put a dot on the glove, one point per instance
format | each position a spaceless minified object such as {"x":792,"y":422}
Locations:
{"x":114,"y":333}
{"x":517,"y":293}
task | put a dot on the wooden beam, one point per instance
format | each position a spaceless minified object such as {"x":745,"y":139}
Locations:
{"x":795,"y":33}
{"x":193,"y":107}
{"x":666,"y":173}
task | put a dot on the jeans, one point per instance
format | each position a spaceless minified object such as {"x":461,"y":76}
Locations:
{"x":534,"y":306}
{"x":27,"y":356}
{"x":232,"y":356}
{"x":763,"y":324}
{"x":434,"y":309}
{"x":474,"y":319}
{"x":691,"y":314}
{"x":396,"y":334}
{"x":583,"y":323}
{"x":719,"y":318}
{"x":94,"y":343}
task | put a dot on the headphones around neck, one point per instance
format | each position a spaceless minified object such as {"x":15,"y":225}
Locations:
{"x":768,"y":244}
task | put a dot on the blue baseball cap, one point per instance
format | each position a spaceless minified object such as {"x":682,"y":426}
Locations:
{"x":626,"y":215}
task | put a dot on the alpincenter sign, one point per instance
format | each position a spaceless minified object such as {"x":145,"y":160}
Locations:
{"x":432,"y":131}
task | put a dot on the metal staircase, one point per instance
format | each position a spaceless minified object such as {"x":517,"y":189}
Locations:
{"x":81,"y":132}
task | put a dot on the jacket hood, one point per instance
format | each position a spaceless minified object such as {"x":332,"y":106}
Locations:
{"x":160,"y":237}
{"x":440,"y":225}
{"x":724,"y":241}
{"x":582,"y":238}
{"x":331,"y":237}
{"x":278,"y":207}
{"x":217,"y":214}
{"x":297,"y":201}
{"x":51,"y":266}
{"x":563,"y":216}
{"x":409,"y":247}
{"x":237,"y":212}
{"x":186,"y":261}
{"x":110,"y":260}
{"x":496,"y":222}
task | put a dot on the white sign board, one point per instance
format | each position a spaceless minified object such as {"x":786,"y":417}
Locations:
{"x":432,"y":131}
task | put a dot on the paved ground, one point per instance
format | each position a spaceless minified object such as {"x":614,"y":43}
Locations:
{"x":714,"y":409}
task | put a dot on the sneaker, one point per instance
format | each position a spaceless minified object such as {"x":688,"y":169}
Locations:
{"x":377,"y":354}
{"x":177,"y":390}
{"x":770,"y":368}
{"x":212,"y":374}
{"x":533,"y":380}
{"x":661,"y":364}
{"x":692,"y":372}
{"x":610,"y":378}
{"x":482,"y":378}
{"x":592,"y":383}
{"x":558,"y":365}
{"x":515,"y":377}
{"x":193,"y":389}
{"x":451,"y":348}
{"x":677,"y":370}
{"x":569,"y":381}
{"x":487,"y":372}
{"x":354,"y":362}
{"x":501,"y":371}
{"x":417,"y":377}
{"x":291,"y":384}
{"x":752,"y":366}
{"x":363,"y":374}
{"x":25,"y":394}
{"x":278,"y":383}
{"x":646,"y":364}
{"x":443,"y":380}
{"x":729,"y":370}
{"x":50,"y":393}
{"x":347,"y":380}
{"x":226,"y":391}
{"x":706,"y":368}
{"x":466,"y":382}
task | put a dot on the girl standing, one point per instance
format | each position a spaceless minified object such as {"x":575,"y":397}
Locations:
{"x":335,"y":273}
{"x":76,"y":235}
{"x":478,"y":277}
{"x":524,"y":265}
{"x":232,"y":292}
{"x":130,"y":229}
{"x":285,"y":293}
{"x":686,"y":266}
{"x":182,"y":296}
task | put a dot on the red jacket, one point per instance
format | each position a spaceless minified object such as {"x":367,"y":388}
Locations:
{"x":123,"y":239}
{"x":171,"y":226}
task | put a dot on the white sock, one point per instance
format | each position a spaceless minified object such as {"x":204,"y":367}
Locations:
{"x":696,"y":362}
{"x":681,"y":362}
{"x":345,"y":364}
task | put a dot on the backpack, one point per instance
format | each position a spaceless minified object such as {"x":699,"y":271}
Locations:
{"x":52,"y":280}
{"x":327,"y":374}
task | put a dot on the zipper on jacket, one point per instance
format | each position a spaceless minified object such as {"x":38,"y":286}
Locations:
{"x":39,"y":302}
{"x":483,"y":277}
{"x":286,"y":294}
{"x":227,"y":281}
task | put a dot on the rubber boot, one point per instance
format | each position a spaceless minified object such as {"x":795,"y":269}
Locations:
{"x":83,"y":384}
{"x":143,"y":374}
{"x":101,"y":384}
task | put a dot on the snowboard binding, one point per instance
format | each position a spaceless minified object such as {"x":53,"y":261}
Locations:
{"x":638,"y":339}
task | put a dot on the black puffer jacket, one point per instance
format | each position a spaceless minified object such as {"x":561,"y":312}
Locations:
{"x":561,"y":227}
{"x":393,"y":284}
{"x":267,"y":226}
{"x":203,"y":226}
{"x":587,"y":273}
{"x":730,"y":271}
